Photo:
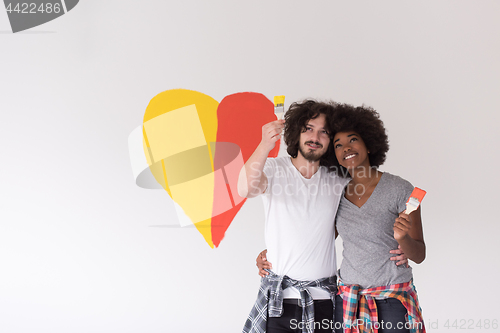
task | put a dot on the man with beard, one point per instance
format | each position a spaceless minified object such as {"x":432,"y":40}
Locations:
{"x":301,"y":195}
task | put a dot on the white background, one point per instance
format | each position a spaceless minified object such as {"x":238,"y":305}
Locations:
{"x":83,"y":249}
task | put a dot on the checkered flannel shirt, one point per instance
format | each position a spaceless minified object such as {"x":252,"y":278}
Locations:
{"x":355,"y":297}
{"x":270,"y":300}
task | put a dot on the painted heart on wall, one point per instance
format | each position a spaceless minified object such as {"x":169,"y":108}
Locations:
{"x":195,"y":147}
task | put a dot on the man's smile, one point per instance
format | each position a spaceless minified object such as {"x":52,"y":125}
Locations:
{"x":313,"y":145}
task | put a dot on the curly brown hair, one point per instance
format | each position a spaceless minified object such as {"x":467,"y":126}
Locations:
{"x":365,"y":121}
{"x":296,"y":119}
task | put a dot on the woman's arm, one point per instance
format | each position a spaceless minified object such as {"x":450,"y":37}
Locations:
{"x":409,"y":234}
{"x":262,"y":263}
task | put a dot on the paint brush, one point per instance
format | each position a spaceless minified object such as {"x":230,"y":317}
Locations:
{"x":279,"y":106}
{"x":414,"y":200}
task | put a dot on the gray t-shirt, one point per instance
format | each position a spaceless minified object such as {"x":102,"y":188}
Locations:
{"x":368,"y":235}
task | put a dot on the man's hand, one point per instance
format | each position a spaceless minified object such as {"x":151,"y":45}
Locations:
{"x":252,"y":180}
{"x":262,"y":263}
{"x":271,"y":132}
{"x":400,"y":257}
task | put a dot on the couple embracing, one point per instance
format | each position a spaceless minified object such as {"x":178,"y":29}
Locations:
{"x":328,"y":186}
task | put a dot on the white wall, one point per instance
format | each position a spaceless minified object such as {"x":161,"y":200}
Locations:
{"x":79,"y":250}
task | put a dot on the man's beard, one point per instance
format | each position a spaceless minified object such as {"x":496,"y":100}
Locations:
{"x":311,"y":156}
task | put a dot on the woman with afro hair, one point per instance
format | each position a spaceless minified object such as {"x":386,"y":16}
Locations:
{"x":375,"y":294}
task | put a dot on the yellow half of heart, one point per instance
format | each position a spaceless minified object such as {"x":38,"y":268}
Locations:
{"x":179,"y":129}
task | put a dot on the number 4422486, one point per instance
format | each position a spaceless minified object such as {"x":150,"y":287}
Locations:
{"x":470,"y":324}
{"x":33,"y":8}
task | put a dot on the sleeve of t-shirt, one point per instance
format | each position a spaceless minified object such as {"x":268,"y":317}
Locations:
{"x":404,"y":189}
{"x":269,"y":171}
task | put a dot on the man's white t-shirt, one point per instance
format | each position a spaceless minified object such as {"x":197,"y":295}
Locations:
{"x":299,"y":229}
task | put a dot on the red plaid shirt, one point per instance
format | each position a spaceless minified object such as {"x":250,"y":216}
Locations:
{"x":355,"y":297}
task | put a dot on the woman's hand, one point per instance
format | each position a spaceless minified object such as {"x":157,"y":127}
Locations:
{"x":402,"y":226}
{"x":410,"y":236}
{"x":262,"y":263}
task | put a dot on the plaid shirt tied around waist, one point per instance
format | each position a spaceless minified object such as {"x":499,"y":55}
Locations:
{"x":270,"y":300}
{"x":354,"y":296}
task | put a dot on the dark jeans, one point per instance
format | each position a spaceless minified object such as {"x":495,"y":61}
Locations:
{"x":391,"y":315}
{"x":291,"y":319}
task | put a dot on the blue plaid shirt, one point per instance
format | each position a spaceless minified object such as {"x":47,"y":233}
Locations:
{"x":270,"y":301}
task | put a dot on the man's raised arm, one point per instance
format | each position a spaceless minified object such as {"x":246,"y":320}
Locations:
{"x":252,"y":181}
